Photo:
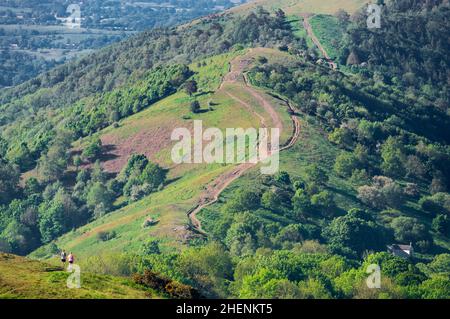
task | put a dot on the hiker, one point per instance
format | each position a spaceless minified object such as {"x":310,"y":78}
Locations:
{"x":63,"y":257}
{"x":71,"y":260}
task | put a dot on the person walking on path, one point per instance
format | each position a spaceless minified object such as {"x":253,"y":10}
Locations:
{"x":71,"y":260}
{"x":63,"y":257}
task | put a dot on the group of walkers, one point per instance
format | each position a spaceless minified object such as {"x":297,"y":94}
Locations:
{"x":70,"y":258}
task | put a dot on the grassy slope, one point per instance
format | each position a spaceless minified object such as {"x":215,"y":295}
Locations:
{"x":328,"y":31}
{"x":170,"y":205}
{"x":296,"y":23}
{"x":28,"y":279}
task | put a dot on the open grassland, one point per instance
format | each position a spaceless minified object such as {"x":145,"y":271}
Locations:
{"x":22,"y":278}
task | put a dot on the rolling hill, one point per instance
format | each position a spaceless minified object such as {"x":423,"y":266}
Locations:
{"x":363,"y":158}
{"x":170,"y":207}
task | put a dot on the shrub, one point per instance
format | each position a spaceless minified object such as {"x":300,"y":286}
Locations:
{"x":408,"y":229}
{"x":106,"y":235}
{"x":181,"y":291}
{"x":163,"y":284}
{"x":93,"y":150}
{"x":195,"y":106}
{"x":151,"y":246}
{"x":152,"y":280}
{"x":441,"y":224}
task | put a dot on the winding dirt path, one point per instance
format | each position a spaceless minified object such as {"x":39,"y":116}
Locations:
{"x":212,"y":192}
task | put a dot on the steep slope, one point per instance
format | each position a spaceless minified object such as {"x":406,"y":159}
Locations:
{"x":149,"y":131}
{"x":237,"y":76}
{"x":29,"y":279}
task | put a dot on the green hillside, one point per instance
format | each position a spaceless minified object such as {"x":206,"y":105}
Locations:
{"x":86,"y":165}
{"x":22,"y":278}
{"x":170,"y":205}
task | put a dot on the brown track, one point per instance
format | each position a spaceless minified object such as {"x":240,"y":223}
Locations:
{"x":211,"y":194}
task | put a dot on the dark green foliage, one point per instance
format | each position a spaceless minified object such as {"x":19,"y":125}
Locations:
{"x":9,"y":181}
{"x":137,"y":162}
{"x":195,"y":106}
{"x":409,"y":46}
{"x":97,"y":195}
{"x":347,"y":232}
{"x":316,"y":175}
{"x":3,"y":147}
{"x":283,"y":178}
{"x":244,"y":200}
{"x":408,"y":229}
{"x":151,"y":246}
{"x":141,"y":177}
{"x":271,"y":200}
{"x":162,"y":284}
{"x":93,"y":150}
{"x":345,"y":164}
{"x":191,"y":87}
{"x":324,"y":203}
{"x":302,"y":204}
{"x":441,"y":224}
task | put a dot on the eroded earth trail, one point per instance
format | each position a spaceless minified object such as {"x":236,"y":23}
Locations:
{"x":236,"y":76}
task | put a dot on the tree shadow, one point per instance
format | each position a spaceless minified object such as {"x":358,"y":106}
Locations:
{"x":107,"y":154}
{"x":204,"y":93}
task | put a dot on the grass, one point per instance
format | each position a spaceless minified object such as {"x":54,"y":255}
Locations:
{"x":22,"y":278}
{"x":299,"y":31}
{"x":329,"y":32}
{"x":187,"y":181}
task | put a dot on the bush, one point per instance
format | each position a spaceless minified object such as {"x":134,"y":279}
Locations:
{"x":106,"y":235}
{"x":441,"y":224}
{"x":152,"y":280}
{"x":93,"y":150}
{"x":151,"y":246}
{"x":180,"y":291}
{"x":345,"y":164}
{"x":383,"y":192}
{"x":408,"y":229}
{"x":262,"y":59}
{"x":195,"y":106}
{"x":163,"y":284}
